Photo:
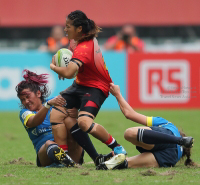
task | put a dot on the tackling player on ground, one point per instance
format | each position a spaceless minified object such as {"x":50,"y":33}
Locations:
{"x":32,"y":92}
{"x":159,"y":141}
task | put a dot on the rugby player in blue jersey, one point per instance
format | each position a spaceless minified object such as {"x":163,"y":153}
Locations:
{"x":159,"y":141}
{"x":35,"y":117}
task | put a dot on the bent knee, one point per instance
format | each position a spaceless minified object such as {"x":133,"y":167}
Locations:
{"x":83,"y":124}
{"x":48,"y":142}
{"x":130,"y":133}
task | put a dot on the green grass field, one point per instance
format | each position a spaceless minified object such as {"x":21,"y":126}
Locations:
{"x":17,"y":155}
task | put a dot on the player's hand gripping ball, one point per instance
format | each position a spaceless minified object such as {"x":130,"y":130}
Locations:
{"x":63,"y":57}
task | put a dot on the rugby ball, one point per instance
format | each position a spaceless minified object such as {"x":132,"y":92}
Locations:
{"x":63,"y":57}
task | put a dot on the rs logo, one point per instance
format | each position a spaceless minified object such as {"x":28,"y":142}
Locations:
{"x":164,"y":81}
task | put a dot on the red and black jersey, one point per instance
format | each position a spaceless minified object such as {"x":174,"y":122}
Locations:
{"x":93,"y":72}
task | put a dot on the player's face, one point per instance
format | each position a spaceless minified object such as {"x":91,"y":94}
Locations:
{"x":31,"y":100}
{"x":71,"y":31}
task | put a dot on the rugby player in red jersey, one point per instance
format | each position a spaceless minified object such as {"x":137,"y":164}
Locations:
{"x":91,"y":86}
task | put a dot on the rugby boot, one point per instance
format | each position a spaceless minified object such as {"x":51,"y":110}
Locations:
{"x":63,"y":158}
{"x":113,"y":163}
{"x":102,"y":158}
{"x":187,"y":142}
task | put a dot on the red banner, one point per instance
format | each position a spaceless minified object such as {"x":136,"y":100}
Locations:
{"x":163,"y":80}
{"x":31,"y":13}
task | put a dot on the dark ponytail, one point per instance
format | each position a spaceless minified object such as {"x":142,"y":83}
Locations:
{"x":35,"y":83}
{"x":187,"y":153}
{"x":89,"y":28}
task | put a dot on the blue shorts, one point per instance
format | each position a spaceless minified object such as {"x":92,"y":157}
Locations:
{"x":165,"y":154}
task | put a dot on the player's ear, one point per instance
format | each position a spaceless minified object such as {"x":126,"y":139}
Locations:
{"x":38,"y":94}
{"x":79,"y":29}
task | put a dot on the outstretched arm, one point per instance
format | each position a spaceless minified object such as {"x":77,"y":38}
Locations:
{"x":126,"y":109}
{"x":38,"y":118}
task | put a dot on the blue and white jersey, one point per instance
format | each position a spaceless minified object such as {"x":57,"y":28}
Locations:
{"x":39,"y":134}
{"x":161,"y":122}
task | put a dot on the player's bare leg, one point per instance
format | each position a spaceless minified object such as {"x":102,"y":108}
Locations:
{"x":60,"y":136}
{"x":98,"y":131}
{"x":58,"y":127}
{"x":145,"y":159}
{"x":85,"y":122}
{"x":42,"y":154}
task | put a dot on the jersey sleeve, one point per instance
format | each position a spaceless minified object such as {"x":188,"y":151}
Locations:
{"x":156,"y":121}
{"x":82,"y":53}
{"x":25,"y":114}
